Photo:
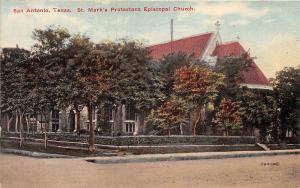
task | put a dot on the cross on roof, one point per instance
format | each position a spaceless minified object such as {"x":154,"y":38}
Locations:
{"x":218,"y":25}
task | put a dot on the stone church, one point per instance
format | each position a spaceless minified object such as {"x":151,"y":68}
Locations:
{"x":205,"y":47}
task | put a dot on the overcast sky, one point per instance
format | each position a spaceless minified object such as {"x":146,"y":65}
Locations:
{"x":271,"y":30}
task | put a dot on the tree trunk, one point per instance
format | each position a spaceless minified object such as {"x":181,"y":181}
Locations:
{"x":42,"y":128}
{"x":47,"y":120}
{"x":77,"y":121}
{"x":21,"y":128}
{"x":27,"y":124}
{"x":198,"y":112}
{"x":16,"y":123}
{"x":91,"y":129}
{"x":9,"y":120}
{"x":118,"y":121}
{"x":35,"y":125}
{"x":113,"y":125}
{"x":45,"y":140}
{"x":181,"y":129}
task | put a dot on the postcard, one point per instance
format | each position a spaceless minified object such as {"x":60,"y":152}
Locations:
{"x":149,"y":93}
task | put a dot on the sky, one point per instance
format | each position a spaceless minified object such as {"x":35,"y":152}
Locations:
{"x":270,"y":30}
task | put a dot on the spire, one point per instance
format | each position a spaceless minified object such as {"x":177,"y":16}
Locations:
{"x":218,"y":25}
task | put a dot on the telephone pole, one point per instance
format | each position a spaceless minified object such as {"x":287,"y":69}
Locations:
{"x":171,"y":35}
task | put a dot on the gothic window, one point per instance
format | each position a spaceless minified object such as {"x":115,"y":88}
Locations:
{"x":108,"y":113}
{"x":94,"y":114}
{"x":130,"y":112}
{"x":55,"y":114}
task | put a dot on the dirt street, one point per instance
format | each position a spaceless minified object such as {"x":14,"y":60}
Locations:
{"x":258,"y":172}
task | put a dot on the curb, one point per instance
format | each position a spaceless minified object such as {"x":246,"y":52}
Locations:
{"x":189,"y":156}
{"x":33,"y":153}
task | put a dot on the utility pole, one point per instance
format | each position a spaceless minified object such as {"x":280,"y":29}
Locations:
{"x":171,"y":35}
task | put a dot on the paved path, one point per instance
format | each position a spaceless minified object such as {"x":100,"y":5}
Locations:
{"x":257,"y":172}
{"x":189,"y":156}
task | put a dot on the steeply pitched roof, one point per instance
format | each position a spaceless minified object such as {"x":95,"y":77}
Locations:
{"x":253,"y":75}
{"x":228,"y":49}
{"x":197,"y":45}
{"x":190,"y":45}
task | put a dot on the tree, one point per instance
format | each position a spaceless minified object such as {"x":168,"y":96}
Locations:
{"x":78,"y":47}
{"x":50,"y":56}
{"x":261,"y":112}
{"x":16,"y":85}
{"x":287,"y":88}
{"x":134,"y":78}
{"x":168,"y":116}
{"x":95,"y":77}
{"x":167,"y":68}
{"x":229,"y":116}
{"x":197,"y":85}
{"x":232,"y":68}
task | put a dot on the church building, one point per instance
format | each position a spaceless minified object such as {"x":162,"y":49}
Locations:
{"x":206,"y":47}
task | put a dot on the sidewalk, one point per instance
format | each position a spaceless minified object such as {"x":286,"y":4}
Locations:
{"x":32,"y":153}
{"x":188,"y":156}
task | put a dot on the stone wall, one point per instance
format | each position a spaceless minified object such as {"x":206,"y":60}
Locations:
{"x":145,"y":140}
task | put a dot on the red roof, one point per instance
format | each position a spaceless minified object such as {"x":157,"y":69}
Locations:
{"x":253,"y":75}
{"x":191,"y":45}
{"x":228,"y":49}
{"x":197,"y":44}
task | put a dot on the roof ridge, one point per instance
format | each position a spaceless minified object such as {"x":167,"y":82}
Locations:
{"x":195,"y":35}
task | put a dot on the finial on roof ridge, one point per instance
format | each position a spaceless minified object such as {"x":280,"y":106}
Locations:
{"x":218,"y":25}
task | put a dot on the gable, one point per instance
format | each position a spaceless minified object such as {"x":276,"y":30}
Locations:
{"x":253,"y":75}
{"x":202,"y":45}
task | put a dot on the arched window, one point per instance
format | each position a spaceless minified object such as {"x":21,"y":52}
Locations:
{"x":130,"y":112}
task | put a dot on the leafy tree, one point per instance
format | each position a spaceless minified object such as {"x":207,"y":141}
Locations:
{"x":137,"y":78}
{"x":168,"y":65}
{"x":229,"y":116}
{"x":232,"y":68}
{"x":16,"y":86}
{"x":287,"y":88}
{"x":15,"y":81}
{"x":197,"y":85}
{"x":95,"y":76}
{"x":134,"y":79}
{"x":50,"y":56}
{"x":168,"y":116}
{"x":261,"y":112}
{"x":55,"y":53}
{"x":78,"y":47}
